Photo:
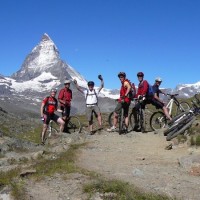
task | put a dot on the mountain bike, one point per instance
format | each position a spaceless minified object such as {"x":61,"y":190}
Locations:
{"x":182,"y":122}
{"x":121,"y":125}
{"x":158,"y":119}
{"x":140,"y":113}
{"x":51,"y":132}
{"x":73,"y":124}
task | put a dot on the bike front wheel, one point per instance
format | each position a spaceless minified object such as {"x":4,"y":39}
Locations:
{"x":51,"y":133}
{"x":142,"y":120}
{"x":74,"y":125}
{"x":122,"y":125}
{"x":132,"y":121}
{"x":183,"y":107}
{"x":158,"y":120}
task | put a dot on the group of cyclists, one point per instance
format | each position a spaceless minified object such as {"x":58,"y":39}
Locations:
{"x":142,"y":93}
{"x":50,"y":104}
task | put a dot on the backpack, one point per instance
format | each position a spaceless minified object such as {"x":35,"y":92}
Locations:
{"x":132,"y":93}
{"x":150,"y":92}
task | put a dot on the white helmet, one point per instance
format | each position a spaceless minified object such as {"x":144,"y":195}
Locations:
{"x":67,"y":81}
{"x":158,"y":79}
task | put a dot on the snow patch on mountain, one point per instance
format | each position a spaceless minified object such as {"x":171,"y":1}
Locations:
{"x":194,"y":85}
{"x":42,"y":83}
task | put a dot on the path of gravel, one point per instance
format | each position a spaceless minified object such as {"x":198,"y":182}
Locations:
{"x":141,"y":159}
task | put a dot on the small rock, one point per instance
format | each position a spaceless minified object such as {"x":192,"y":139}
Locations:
{"x":137,"y":172}
{"x":27,"y":172}
{"x":36,"y":155}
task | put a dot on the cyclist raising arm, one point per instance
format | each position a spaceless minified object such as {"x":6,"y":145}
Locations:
{"x":91,"y":100}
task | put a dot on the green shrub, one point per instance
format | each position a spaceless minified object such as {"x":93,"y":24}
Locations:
{"x":198,"y":140}
{"x":182,"y":138}
{"x":192,"y":141}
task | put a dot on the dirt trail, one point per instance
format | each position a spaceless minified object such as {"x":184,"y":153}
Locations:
{"x":141,"y":159}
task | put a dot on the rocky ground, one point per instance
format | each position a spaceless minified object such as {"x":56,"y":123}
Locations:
{"x":138,"y":158}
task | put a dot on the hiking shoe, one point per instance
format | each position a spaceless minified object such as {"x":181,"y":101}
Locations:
{"x":136,"y":128}
{"x":100,"y":129}
{"x":113,"y":128}
{"x":92,"y":132}
{"x":169,"y":147}
{"x":43,"y":143}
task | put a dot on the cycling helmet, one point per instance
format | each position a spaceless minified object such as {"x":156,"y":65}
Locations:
{"x":122,"y":74}
{"x":158,"y":79}
{"x":90,"y":83}
{"x":53,"y":90}
{"x":140,"y":74}
{"x":67,"y":81}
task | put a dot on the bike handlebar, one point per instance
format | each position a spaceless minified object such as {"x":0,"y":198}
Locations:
{"x":172,"y":95}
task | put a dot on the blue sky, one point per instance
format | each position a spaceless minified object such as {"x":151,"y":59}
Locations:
{"x":158,"y":37}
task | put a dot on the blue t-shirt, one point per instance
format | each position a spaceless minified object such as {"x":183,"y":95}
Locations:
{"x":156,"y":89}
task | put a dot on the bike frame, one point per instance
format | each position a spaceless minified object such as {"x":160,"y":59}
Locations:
{"x":171,"y":102}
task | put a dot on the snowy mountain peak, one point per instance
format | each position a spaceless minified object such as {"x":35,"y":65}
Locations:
{"x":43,"y":57}
{"x":45,"y":37}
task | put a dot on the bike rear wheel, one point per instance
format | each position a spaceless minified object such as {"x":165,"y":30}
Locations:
{"x":74,"y":125}
{"x":158,"y":120}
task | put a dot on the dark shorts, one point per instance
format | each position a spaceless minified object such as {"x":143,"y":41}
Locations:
{"x":48,"y":117}
{"x":157,"y":104}
{"x":125,"y":106}
{"x":66,"y":110}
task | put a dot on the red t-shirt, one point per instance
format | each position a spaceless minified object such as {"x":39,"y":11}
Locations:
{"x":142,"y":88}
{"x":66,"y":95}
{"x":123,"y":91}
{"x":50,"y":104}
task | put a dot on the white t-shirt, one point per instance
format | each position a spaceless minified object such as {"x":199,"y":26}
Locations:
{"x":91,"y":97}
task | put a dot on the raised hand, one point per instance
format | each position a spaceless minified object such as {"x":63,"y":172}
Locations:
{"x":100,"y":77}
{"x":75,"y":81}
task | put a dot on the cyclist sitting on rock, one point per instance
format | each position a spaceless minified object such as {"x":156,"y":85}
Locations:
{"x":123,"y":101}
{"x":48,"y":107}
{"x":156,"y":101}
{"x":91,"y":98}
{"x":142,"y":93}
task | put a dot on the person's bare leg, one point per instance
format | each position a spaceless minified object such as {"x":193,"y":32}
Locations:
{"x":126,"y":121}
{"x":43,"y":135}
{"x":115,"y":120}
{"x":62,"y":124}
{"x":91,"y":126}
{"x":166,"y":113}
{"x":100,"y":120}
